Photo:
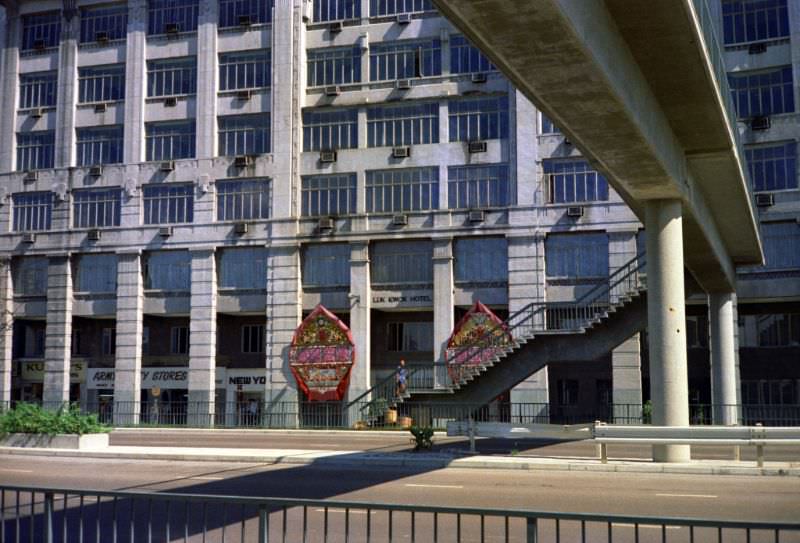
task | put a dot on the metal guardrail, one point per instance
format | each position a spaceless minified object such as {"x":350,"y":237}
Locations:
{"x":61,"y":515}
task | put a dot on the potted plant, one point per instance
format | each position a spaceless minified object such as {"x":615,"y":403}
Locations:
{"x":29,"y":425}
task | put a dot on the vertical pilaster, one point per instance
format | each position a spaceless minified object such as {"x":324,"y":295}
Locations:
{"x":522,"y":151}
{"x":360,"y":317}
{"x":67,"y":89}
{"x":207,"y":73}
{"x":6,"y":330}
{"x":526,"y":284}
{"x":443,"y":303}
{"x":202,"y":338}
{"x":9,"y":87}
{"x":58,"y":332}
{"x":666,"y":318}
{"x":724,"y":370}
{"x":128,"y":363}
{"x":135,"y":77}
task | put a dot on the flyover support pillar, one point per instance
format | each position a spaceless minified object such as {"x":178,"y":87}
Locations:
{"x":666,"y":316}
{"x":723,"y":358}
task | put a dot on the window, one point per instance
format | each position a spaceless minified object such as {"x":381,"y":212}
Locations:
{"x":37,"y":89}
{"x":478,"y":186}
{"x":481,"y":260}
{"x":570,"y":181}
{"x":465,"y":58}
{"x":406,"y":124}
{"x":41,"y":30}
{"x":409,"y":336}
{"x":108,"y":21}
{"x":30,"y":276}
{"x":179,"y":343}
{"x":109,"y":341}
{"x":96,"y":273}
{"x":326,"y":265}
{"x":379,"y":8}
{"x":101,"y":83}
{"x":231,"y":12}
{"x":770,"y":392}
{"x":168,"y":270}
{"x":411,"y":189}
{"x":96,"y":208}
{"x":171,"y":77}
{"x":329,"y":195}
{"x":99,"y":145}
{"x":170,"y":140}
{"x":405,"y":59}
{"x":242,"y":199}
{"x":35,"y":150}
{"x":478,"y":119}
{"x":762,"y":93}
{"x":244,"y":135}
{"x":245,"y":70}
{"x":32,"y":211}
{"x":332,"y":10}
{"x":252,"y":338}
{"x":171,"y":16}
{"x":168,"y":203}
{"x":576,"y":256}
{"x":567,"y":392}
{"x":782,"y":330}
{"x":754,"y":20}
{"x":781,"y":244}
{"x":145,"y":340}
{"x":402,"y":262}
{"x":697,"y":332}
{"x":243,"y":268}
{"x":773,"y":167}
{"x":548,"y":127}
{"x":330,"y":129}
{"x":337,"y":66}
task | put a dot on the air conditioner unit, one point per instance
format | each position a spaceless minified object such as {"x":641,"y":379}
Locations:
{"x":760,"y":123}
{"x":479,"y":77}
{"x":403,"y":84}
{"x":166,"y":166}
{"x":243,"y":161}
{"x":400,"y":220}
{"x":170,"y":101}
{"x":243,"y":95}
{"x":165,"y":231}
{"x":401,"y":152}
{"x":101,"y":37}
{"x":39,"y":45}
{"x":95,"y":171}
{"x":325,"y":223}
{"x":757,"y":48}
{"x":30,"y":177}
{"x":476,"y":215}
{"x":93,"y":235}
{"x":36,"y":113}
{"x":172,"y":28}
{"x":575,"y":211}
{"x":765,"y":200}
{"x":245,"y":20}
{"x":333,"y":90}
{"x":335,"y":27}
{"x":403,"y":18}
{"x":477,"y":146}
{"x":241,"y":228}
{"x":28,"y":237}
{"x":100,"y":108}
{"x":327,"y":156}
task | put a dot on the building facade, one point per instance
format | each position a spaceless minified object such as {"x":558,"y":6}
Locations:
{"x":182,"y":181}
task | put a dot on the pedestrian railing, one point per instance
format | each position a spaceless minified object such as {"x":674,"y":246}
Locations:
{"x":61,"y":515}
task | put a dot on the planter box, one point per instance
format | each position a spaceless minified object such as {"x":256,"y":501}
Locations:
{"x":59,"y":441}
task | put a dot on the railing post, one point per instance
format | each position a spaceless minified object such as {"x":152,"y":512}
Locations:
{"x":472,"y":448}
{"x":263,"y":524}
{"x":48,"y":518}
{"x":531,"y":531}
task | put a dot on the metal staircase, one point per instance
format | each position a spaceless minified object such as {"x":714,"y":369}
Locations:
{"x":539,"y":334}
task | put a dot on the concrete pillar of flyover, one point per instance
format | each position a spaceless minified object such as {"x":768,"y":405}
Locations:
{"x":721,"y":324}
{"x":666,"y":318}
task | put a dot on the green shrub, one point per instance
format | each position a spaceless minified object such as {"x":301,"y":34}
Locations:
{"x":423,"y":437}
{"x":28,"y":418}
{"x":647,"y":412}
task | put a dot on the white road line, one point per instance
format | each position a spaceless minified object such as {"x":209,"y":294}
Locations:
{"x":352,"y":511}
{"x":709,"y":496}
{"x":17,"y":470}
{"x":433,"y":486}
{"x":207,"y":478}
{"x":650,"y":526}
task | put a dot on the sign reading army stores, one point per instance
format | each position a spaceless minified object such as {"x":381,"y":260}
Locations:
{"x":33,"y":371}
{"x":383,"y":299}
{"x":162,"y":378}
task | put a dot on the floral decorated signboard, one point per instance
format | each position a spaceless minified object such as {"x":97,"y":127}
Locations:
{"x":477,"y":337}
{"x":322,"y":355}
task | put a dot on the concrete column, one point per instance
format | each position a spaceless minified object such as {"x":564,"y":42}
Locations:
{"x":128,"y":363}
{"x":360,"y":318}
{"x":135,"y":78}
{"x":9,"y":87}
{"x":666,"y":318}
{"x":67,"y":89}
{"x":58,"y":332}
{"x":626,"y":382}
{"x":6,"y":330}
{"x":526,"y":284}
{"x":207,"y":73}
{"x":724,"y":371}
{"x":443,"y":303}
{"x":522,"y":151}
{"x":202,"y":338}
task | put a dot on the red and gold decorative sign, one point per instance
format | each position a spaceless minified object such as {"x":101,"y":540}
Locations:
{"x":477,"y":337}
{"x":322,"y":355}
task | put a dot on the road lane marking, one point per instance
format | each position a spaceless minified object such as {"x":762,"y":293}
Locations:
{"x":352,"y":511}
{"x":650,"y":526}
{"x":708,"y":496}
{"x":207,"y":478}
{"x":17,"y":470}
{"x":432,"y":486}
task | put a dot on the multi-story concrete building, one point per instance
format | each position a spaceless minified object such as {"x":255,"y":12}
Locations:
{"x":183,"y":180}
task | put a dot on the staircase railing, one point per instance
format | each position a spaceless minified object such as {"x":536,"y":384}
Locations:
{"x":536,"y":317}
